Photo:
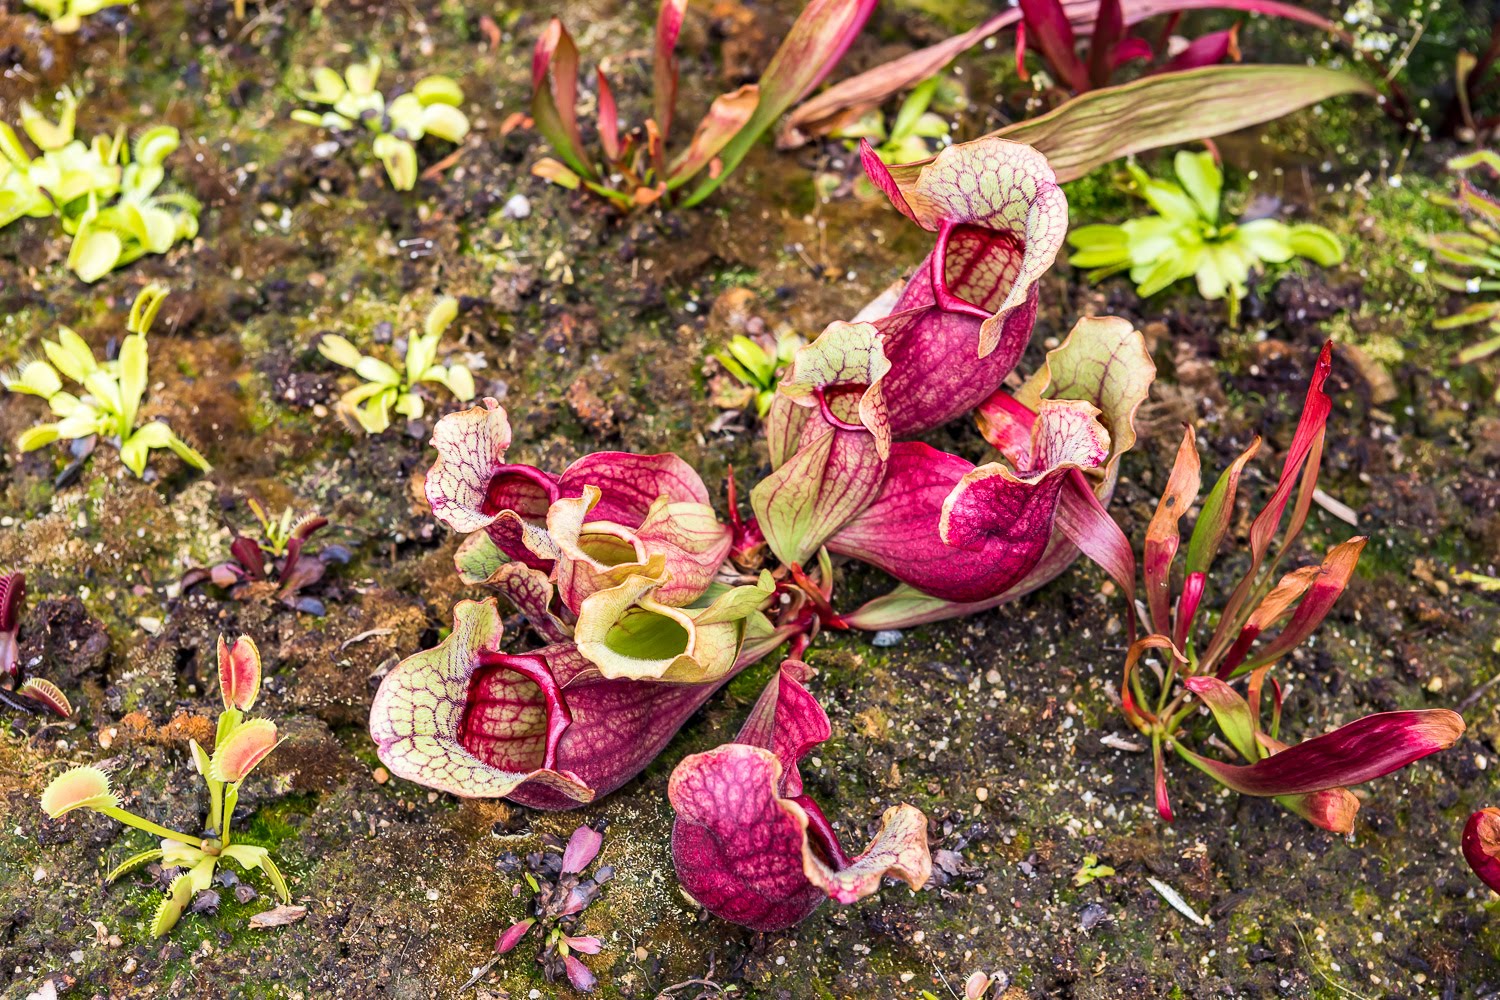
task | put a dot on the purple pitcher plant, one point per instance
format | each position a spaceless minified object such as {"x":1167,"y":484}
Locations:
{"x":752,"y":847}
{"x":1193,"y":665}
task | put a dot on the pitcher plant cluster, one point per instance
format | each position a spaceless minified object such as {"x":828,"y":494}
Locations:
{"x":239,"y":745}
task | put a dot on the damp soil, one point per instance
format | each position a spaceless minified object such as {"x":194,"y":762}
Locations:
{"x":595,"y":332}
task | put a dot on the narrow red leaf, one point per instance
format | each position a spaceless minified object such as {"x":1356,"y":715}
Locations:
{"x":1363,"y":750}
{"x":1162,"y":537}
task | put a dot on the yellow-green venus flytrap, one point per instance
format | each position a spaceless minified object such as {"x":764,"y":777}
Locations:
{"x":113,"y":391}
{"x":1190,"y":238}
{"x":240,"y":744}
{"x":104,"y":194}
{"x":431,"y":107}
{"x":386,"y":389}
{"x":67,"y":15}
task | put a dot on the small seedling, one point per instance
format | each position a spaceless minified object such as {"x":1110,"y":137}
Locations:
{"x":431,"y":107}
{"x":240,"y":744}
{"x":385,"y":389}
{"x":113,"y":390}
{"x":1190,"y":237}
{"x":275,"y":556}
{"x":758,"y":367}
{"x":26,"y":694}
{"x":907,"y":137}
{"x":104,"y":194}
{"x":561,"y":896}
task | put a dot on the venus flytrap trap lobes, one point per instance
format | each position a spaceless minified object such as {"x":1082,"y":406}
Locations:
{"x":104,"y":194}
{"x":385,"y":389}
{"x":1192,"y":237}
{"x":239,"y":745}
{"x":636,"y":169}
{"x":431,"y":107}
{"x":18,"y":691}
{"x":113,"y":391}
{"x":1309,"y":778}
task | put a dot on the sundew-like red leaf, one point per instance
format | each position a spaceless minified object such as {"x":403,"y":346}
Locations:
{"x":1323,"y":586}
{"x":1207,"y":50}
{"x":554,"y":95}
{"x":814,"y":44}
{"x":726,"y":116}
{"x":1048,"y":30}
{"x":1234,"y":715}
{"x":848,"y":99}
{"x":1481,"y":843}
{"x":1363,"y":750}
{"x":609,"y":119}
{"x":664,"y":68}
{"x":1162,"y":537}
{"x":1218,"y":510}
{"x":1000,"y":217}
{"x":1301,"y":463}
{"x":1109,"y":32}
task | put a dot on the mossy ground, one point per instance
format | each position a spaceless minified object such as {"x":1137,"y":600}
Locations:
{"x":593,"y":331}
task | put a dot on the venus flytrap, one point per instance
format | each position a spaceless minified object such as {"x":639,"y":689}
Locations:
{"x":239,"y":745}
{"x":1469,"y":261}
{"x":1191,"y":236}
{"x":109,"y":407}
{"x":385,"y":389}
{"x":431,"y":107}
{"x":18,"y":691}
{"x":757,"y":368}
{"x":104,"y":194}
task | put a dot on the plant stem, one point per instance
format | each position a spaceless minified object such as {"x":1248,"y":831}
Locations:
{"x":131,"y":819}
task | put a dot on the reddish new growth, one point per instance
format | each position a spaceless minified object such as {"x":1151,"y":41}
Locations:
{"x":1193,"y":666}
{"x":274,"y":562}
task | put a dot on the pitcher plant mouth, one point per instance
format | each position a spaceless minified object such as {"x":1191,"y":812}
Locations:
{"x":839,"y":404}
{"x":510,"y":486}
{"x":519,"y":694}
{"x":949,"y":273}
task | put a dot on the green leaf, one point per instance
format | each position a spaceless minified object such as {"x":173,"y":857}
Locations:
{"x":94,"y":253}
{"x":38,"y":437}
{"x":1316,"y":244}
{"x":1201,"y":176}
{"x":170,"y":910}
{"x":340,"y":351}
{"x":133,"y":375}
{"x":1171,"y":108}
{"x":142,"y":858}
